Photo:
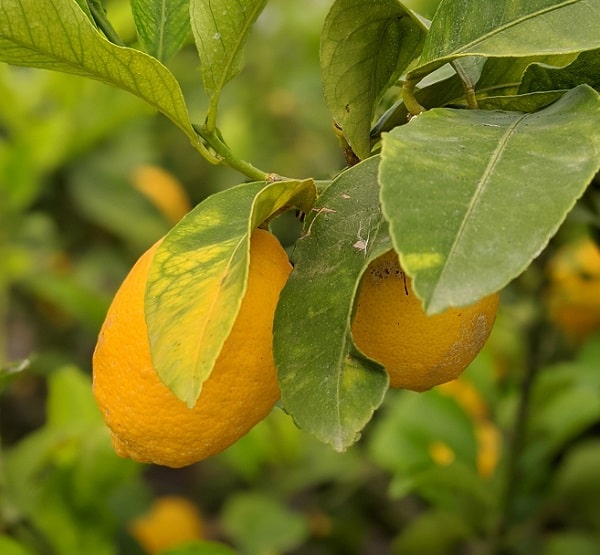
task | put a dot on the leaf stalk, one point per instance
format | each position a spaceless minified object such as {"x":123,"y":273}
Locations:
{"x":408,"y":97}
{"x":468,"y":85}
{"x":99,"y":14}
{"x":224,"y":155}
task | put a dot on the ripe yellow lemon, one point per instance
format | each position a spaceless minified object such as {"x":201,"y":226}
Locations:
{"x":148,"y":423}
{"x":171,"y":521}
{"x":418,"y":351}
{"x":573,"y":294}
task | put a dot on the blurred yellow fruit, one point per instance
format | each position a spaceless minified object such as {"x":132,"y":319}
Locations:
{"x":489,"y":442}
{"x":148,"y":423}
{"x":171,"y":522}
{"x":467,"y":396}
{"x":487,"y":434}
{"x":418,"y":351}
{"x":163,"y":190}
{"x":441,"y":454}
{"x":573,"y":294}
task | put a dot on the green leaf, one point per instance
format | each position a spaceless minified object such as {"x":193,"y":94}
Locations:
{"x":57,"y":35}
{"x":221,"y":28}
{"x":83,"y":4}
{"x":70,"y":399}
{"x":9,"y":546}
{"x":401,"y":439}
{"x":503,"y":29}
{"x":328,"y":388}
{"x":162,"y":25}
{"x":259,"y":523}
{"x":200,"y":548}
{"x":530,"y":102}
{"x":198,"y":278}
{"x":473,"y":196}
{"x":364,"y":49}
{"x":503,"y":76}
{"x":584,"y":70}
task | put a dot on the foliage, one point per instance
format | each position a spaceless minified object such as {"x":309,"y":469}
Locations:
{"x":470,"y":132}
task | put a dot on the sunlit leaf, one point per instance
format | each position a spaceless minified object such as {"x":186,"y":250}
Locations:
{"x":364,"y":48}
{"x":83,"y":4}
{"x":221,"y":28}
{"x":473,"y":196}
{"x":57,"y":35}
{"x":327,"y":387}
{"x":504,"y":29}
{"x":198,"y":278}
{"x":162,"y":25}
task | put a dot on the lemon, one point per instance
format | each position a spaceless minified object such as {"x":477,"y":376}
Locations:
{"x":418,"y":351}
{"x":171,"y":521}
{"x":573,"y":293}
{"x":148,"y":423}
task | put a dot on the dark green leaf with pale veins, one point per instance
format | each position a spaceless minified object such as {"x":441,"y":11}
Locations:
{"x":329,"y":389}
{"x":365,"y":46}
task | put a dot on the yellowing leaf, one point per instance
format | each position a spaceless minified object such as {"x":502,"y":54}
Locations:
{"x":198,"y":279}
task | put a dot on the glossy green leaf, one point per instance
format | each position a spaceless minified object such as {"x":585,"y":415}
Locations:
{"x":162,"y":25}
{"x":328,"y":388}
{"x":473,"y":196}
{"x":221,"y":28}
{"x":504,"y":29}
{"x":364,"y":48}
{"x":57,"y":35}
{"x":198,"y":278}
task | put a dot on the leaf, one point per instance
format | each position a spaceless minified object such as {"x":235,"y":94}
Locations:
{"x":530,"y":102}
{"x":473,"y":196}
{"x":198,"y":278}
{"x":584,"y":70}
{"x":328,"y":388}
{"x":260,"y":523}
{"x":220,"y":29}
{"x":364,"y":48}
{"x":497,"y":83}
{"x":83,"y":4}
{"x":200,"y":548}
{"x":57,"y":35}
{"x":162,"y":25}
{"x":504,"y":29}
{"x":503,"y":76}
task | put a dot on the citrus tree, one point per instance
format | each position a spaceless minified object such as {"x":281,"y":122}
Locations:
{"x":469,"y":131}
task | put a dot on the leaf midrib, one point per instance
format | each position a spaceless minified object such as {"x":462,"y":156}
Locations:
{"x":479,"y":191}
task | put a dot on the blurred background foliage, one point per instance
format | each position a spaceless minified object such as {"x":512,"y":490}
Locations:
{"x":504,"y":460}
